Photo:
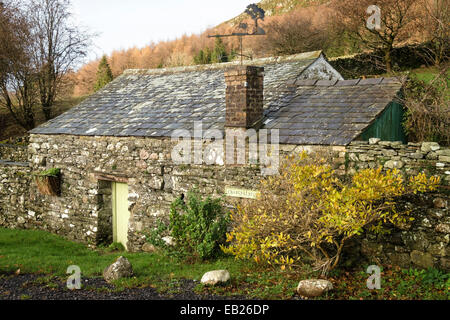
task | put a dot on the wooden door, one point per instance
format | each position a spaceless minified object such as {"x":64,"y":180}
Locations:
{"x":121,"y":214}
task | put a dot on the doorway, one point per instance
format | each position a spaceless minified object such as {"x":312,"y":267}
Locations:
{"x":121,"y":215}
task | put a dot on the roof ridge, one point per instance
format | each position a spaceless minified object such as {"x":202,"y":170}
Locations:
{"x":313,"y":55}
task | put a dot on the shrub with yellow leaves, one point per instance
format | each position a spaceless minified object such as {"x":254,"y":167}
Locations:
{"x":305,"y":215}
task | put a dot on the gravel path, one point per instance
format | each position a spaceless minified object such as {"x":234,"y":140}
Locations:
{"x":27,"y":286}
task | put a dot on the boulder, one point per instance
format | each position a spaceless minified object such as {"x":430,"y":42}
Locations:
{"x":314,"y":287}
{"x":215,"y":277}
{"x":121,"y":268}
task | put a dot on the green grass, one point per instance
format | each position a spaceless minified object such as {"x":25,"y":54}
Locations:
{"x":427,"y":74}
{"x":34,"y":251}
{"x":40,"y":252}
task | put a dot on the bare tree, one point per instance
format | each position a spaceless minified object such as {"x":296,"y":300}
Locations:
{"x":295,"y":33}
{"x":435,"y":23}
{"x":398,"y":21}
{"x":17,"y":75}
{"x":58,"y":47}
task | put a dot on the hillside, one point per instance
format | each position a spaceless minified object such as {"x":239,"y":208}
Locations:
{"x":278,"y":7}
{"x":181,"y":51}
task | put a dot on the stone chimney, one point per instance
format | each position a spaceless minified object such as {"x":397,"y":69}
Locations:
{"x":244,"y":97}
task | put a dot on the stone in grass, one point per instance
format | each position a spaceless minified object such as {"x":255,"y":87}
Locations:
{"x":314,"y":287}
{"x":149,"y":248}
{"x":215,"y":277}
{"x":170,"y":241}
{"x":121,"y":268}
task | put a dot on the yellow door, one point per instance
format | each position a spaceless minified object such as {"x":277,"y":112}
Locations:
{"x":120,"y":213}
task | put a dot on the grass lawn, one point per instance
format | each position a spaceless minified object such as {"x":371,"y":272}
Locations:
{"x":40,"y":252}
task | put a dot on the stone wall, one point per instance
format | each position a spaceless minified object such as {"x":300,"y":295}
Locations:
{"x":14,"y":152}
{"x":90,"y":164}
{"x":154,"y":181}
{"x":422,"y":243}
{"x":15,"y":205}
{"x":410,"y":159}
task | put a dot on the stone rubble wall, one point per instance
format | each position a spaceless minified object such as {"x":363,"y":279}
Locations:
{"x":89,"y":164}
{"x":421,"y":243}
{"x":15,"y":204}
{"x":14,"y":152}
{"x":411,"y":159}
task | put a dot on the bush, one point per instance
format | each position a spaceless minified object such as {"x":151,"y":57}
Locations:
{"x":428,"y":110}
{"x":305,"y":216}
{"x":198,"y":227}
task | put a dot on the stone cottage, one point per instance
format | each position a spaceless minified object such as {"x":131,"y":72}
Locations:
{"x":115,"y":148}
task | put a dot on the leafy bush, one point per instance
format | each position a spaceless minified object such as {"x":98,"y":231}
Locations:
{"x":305,"y":215}
{"x":198,"y":227}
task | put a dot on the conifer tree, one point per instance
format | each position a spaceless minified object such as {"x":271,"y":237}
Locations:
{"x":219,"y":53}
{"x":104,"y":74}
{"x":203,"y":56}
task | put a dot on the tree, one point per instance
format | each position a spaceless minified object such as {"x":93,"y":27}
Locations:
{"x":58,"y":45}
{"x":104,"y":74}
{"x":219,"y":53}
{"x":294,"y":34}
{"x":17,"y":73}
{"x":203,"y":56}
{"x":398,"y":21}
{"x":435,"y":23}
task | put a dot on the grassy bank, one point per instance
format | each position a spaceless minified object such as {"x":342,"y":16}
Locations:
{"x":40,"y":252}
{"x":10,"y":129}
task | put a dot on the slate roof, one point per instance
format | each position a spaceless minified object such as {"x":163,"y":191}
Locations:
{"x":325,"y":112}
{"x":153,"y":103}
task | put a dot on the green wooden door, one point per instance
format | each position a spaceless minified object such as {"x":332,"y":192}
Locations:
{"x":120,"y":213}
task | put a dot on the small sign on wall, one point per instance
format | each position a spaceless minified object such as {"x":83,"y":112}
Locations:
{"x":241,"y":193}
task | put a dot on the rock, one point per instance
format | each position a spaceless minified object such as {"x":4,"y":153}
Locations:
{"x":430,"y":146}
{"x":443,"y":152}
{"x":144,"y":155}
{"x":215,"y":277}
{"x":443,"y":228}
{"x":393,"y":164}
{"x":416,"y":155}
{"x":170,"y":241}
{"x":440,"y":203}
{"x":421,"y":259}
{"x":314,"y":287}
{"x":444,"y":158}
{"x":121,"y":268}
{"x":374,"y":140}
{"x":148,"y":247}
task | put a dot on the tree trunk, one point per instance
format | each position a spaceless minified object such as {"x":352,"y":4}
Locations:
{"x":47,"y":110}
{"x":388,"y":60}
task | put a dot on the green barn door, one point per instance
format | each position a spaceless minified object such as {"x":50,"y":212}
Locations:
{"x":120,"y":213}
